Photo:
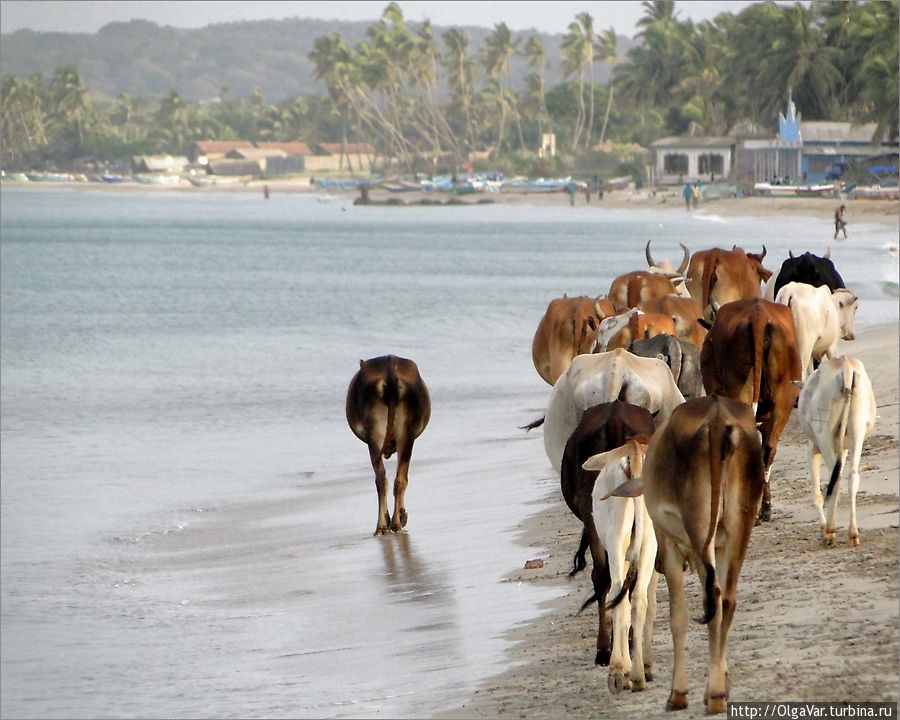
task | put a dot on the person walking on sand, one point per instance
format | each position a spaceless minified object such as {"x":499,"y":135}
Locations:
{"x":839,"y":223}
{"x":695,"y":194}
{"x":687,"y":194}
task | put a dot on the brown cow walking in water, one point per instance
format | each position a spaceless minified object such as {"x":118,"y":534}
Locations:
{"x":388,"y":407}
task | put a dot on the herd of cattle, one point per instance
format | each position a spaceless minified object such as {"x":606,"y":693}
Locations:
{"x":669,"y":396}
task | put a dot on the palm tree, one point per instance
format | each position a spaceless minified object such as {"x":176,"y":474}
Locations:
{"x":172,"y":117}
{"x":587,"y":28}
{"x":537,"y":60}
{"x":609,"y":53}
{"x":573,"y":62}
{"x":499,"y":47}
{"x":459,"y":69}
{"x":70,"y":99}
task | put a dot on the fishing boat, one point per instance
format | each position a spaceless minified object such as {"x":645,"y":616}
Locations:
{"x":770,"y":190}
{"x":48,"y":177}
{"x":875,"y":192}
{"x":218,"y":180}
{"x":157,"y":179}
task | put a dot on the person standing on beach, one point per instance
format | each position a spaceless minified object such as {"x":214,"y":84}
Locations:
{"x":839,"y":222}
{"x":687,"y":194}
{"x":695,"y":194}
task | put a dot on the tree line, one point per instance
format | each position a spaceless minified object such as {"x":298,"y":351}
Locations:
{"x":414,"y":94}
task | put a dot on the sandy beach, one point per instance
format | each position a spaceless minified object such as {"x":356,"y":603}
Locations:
{"x":858,"y":210}
{"x":812,"y":623}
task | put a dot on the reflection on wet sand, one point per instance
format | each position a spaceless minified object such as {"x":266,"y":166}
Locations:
{"x":406,"y":575}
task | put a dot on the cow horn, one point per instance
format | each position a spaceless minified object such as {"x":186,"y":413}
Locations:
{"x":791,"y":254}
{"x":763,"y":254}
{"x":827,"y":252}
{"x":687,"y":258}
{"x":650,"y":260}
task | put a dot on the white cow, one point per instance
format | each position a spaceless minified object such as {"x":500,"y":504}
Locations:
{"x":837,"y":412}
{"x":626,"y":531}
{"x":604,"y":377}
{"x":821,"y":318}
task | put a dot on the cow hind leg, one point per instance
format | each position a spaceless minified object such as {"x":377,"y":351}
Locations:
{"x":380,"y":487}
{"x":856,"y":451}
{"x":831,"y":499}
{"x":815,"y":471}
{"x":601,"y":581}
{"x":400,"y":516}
{"x":678,"y":622}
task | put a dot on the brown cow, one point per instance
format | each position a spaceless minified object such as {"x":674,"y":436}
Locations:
{"x":640,"y":327}
{"x":703,"y":480}
{"x":718,"y":276}
{"x":602,"y":428}
{"x":685,"y":313}
{"x":635,"y":288}
{"x":568,"y":328}
{"x":388,"y":407}
{"x":750,"y":354}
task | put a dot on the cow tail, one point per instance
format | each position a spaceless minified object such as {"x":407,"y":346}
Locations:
{"x":627,"y":586}
{"x":633,"y":297}
{"x":718,"y":453}
{"x":579,"y":562}
{"x":841,"y":434}
{"x":533,"y":424}
{"x":390,"y":395}
{"x":706,"y":288}
{"x":760,"y":341}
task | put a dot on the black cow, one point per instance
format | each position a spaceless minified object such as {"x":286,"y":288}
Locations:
{"x":602,"y":428}
{"x":682,"y":357}
{"x":806,"y":268}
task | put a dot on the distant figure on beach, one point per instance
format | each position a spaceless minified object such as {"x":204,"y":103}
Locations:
{"x":687,"y":193}
{"x":266,"y":191}
{"x":695,"y":194}
{"x":839,"y":223}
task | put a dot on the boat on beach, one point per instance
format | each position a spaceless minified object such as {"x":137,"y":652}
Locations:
{"x":769,"y":190}
{"x":48,"y":177}
{"x":157,"y":179}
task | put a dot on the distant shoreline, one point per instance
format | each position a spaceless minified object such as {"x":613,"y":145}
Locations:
{"x":857,"y":210}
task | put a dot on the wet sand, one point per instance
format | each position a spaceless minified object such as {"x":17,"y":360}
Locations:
{"x":812,"y":623}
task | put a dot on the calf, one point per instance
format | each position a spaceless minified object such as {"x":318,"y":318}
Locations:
{"x":837,"y":412}
{"x":624,"y":529}
{"x":388,"y":407}
{"x":821,"y":317}
{"x":750,"y":354}
{"x":703,"y":483}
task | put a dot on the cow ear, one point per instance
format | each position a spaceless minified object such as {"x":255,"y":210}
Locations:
{"x":596,"y":462}
{"x":362,"y":362}
{"x":633,"y":487}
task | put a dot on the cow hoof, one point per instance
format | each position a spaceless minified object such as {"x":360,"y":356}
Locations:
{"x":403,"y":517}
{"x":648,"y":673}
{"x":677,"y":701}
{"x":602,"y":658}
{"x":828,"y":541}
{"x":717,"y":704}
{"x":380,"y":531}
{"x":853,"y":542}
{"x":765,"y":513}
{"x":637,"y":685}
{"x":617,"y":682}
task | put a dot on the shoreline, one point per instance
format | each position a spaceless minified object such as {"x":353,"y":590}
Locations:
{"x":812,"y":623}
{"x":857,"y":210}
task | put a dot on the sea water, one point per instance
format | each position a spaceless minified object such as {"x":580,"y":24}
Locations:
{"x":186,"y":517}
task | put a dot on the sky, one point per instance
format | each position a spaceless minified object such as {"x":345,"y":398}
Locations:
{"x":550,"y":17}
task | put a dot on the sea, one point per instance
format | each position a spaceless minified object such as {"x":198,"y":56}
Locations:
{"x":186,"y":518}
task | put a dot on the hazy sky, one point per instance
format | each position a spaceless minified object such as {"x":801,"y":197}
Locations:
{"x":550,"y":17}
